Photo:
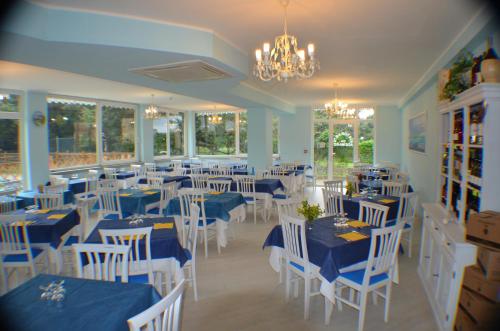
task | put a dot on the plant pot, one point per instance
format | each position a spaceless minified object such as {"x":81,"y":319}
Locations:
{"x":490,"y":70}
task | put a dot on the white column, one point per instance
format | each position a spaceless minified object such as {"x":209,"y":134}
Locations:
{"x":36,"y":141}
{"x":145,"y":136}
{"x":191,"y":133}
{"x":260,"y":138}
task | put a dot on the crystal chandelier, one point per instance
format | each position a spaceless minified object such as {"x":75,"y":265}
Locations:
{"x":339,"y":109}
{"x":152,"y":112}
{"x":215,"y":119}
{"x":285,"y":60}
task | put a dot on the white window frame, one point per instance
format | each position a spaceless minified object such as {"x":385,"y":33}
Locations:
{"x":168,"y":156}
{"x":99,"y":125}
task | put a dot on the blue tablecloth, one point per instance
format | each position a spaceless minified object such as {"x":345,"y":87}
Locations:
{"x":216,"y":205}
{"x":77,"y":185}
{"x":329,"y":252}
{"x":351,"y":206}
{"x":121,"y":175}
{"x":374,"y":175}
{"x":376,"y":185}
{"x":19,"y":202}
{"x":261,"y":185}
{"x":164,"y":242}
{"x":29,"y":197}
{"x":137,"y":201}
{"x":186,"y":183}
{"x":88,"y":305}
{"x":167,"y":179}
{"x":47,"y":231}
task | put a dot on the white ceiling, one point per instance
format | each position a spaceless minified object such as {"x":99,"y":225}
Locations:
{"x":18,"y":76}
{"x":375,"y":49}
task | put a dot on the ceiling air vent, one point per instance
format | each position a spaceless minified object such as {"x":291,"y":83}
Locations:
{"x":180,"y":72}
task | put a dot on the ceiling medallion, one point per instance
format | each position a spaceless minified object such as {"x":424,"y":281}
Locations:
{"x":285,"y":60}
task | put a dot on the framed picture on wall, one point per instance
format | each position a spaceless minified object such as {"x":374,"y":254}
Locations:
{"x":417,"y":129}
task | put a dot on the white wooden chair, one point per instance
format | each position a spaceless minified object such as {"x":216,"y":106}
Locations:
{"x":199,"y":182}
{"x":196,"y":169}
{"x":149,"y":167}
{"x":261,"y":174}
{"x":378,"y":273}
{"x":408,"y":204}
{"x":219,"y":185}
{"x":7,"y":204}
{"x":288,"y":207}
{"x":167,"y":191}
{"x":155,"y":182}
{"x":140,"y":270}
{"x":246,"y":186}
{"x":93,"y":173}
{"x":204,"y":224}
{"x":336,"y":185}
{"x":16,"y":251}
{"x":164,"y":315}
{"x":373,"y":213}
{"x":49,"y":201}
{"x":277,"y":171}
{"x":103,"y":261}
{"x":334,"y":203}
{"x":110,"y":173}
{"x":58,"y":180}
{"x":310,"y":177}
{"x":190,"y":247}
{"x":392,"y":188}
{"x":90,"y":189}
{"x":297,"y":258}
{"x":108,"y":183}
{"x":109,"y":203}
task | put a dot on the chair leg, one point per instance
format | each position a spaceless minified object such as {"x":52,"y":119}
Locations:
{"x":374,"y":297}
{"x":307,"y":297}
{"x":410,"y":242}
{"x":205,"y":235}
{"x":288,"y":280}
{"x":5,"y":280}
{"x":255,"y":213}
{"x":193,"y":279}
{"x":328,"y":310}
{"x":387,"y":301}
{"x":362,"y":309}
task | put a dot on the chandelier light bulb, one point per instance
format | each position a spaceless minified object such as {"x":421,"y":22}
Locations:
{"x":302,"y":55}
{"x":310,"y":49}
{"x":266,"y":48}
{"x":258,"y":55}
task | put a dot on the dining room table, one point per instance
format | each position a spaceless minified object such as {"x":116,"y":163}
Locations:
{"x":135,"y":200}
{"x":30,"y":196}
{"x":87,"y":305}
{"x":167,"y":252}
{"x":224,"y":208}
{"x":351,"y":204}
{"x":332,"y":248}
{"x":166,"y":179}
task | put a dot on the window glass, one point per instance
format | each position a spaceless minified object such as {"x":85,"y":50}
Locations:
{"x":215,"y":134}
{"x":118,"y":133}
{"x":176,"y":132}
{"x":276,"y":134}
{"x":10,"y":155}
{"x":243,"y":133}
{"x":72,"y":133}
{"x":160,"y":137}
{"x":366,"y":141}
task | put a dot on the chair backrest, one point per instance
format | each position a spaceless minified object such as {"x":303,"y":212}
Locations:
{"x":192,"y":230}
{"x":168,"y":192}
{"x":334,"y":203}
{"x":110,"y":173}
{"x":149,"y":166}
{"x":260,"y":174}
{"x":219,"y":185}
{"x":14,"y":235}
{"x":155,"y":182}
{"x":407,"y":207}
{"x":7,"y":204}
{"x":185,"y":200}
{"x":133,"y":238}
{"x":109,"y":201}
{"x":277,"y":171}
{"x":91,"y":185}
{"x":384,"y":249}
{"x":336,"y":185}
{"x":103,"y":261}
{"x":392,"y":188}
{"x":49,"y":201}
{"x":59,"y":180}
{"x":288,"y":207}
{"x":294,"y":238}
{"x":354,"y":180}
{"x":196,"y":169}
{"x":177,"y":163}
{"x":137,"y":169}
{"x":402,"y":177}
{"x":108,"y":183}
{"x":162,"y":316}
{"x":55,"y":189}
{"x":225,"y":171}
{"x":178,"y":171}
{"x":246,"y":185}
{"x":373,"y":213}
{"x":289,"y":165}
{"x":199,"y":182}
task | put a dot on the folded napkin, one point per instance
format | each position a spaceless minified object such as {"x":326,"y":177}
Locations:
{"x":21,"y":223}
{"x":352,"y":236}
{"x":357,"y":224}
{"x":158,"y":226}
{"x":387,"y":200}
{"x":215,"y":192}
{"x":356,"y":195}
{"x":125,"y":194}
{"x":41,"y":211}
{"x":199,"y":200}
{"x":135,"y":236}
{"x":150,"y":192}
{"x":56,"y":216}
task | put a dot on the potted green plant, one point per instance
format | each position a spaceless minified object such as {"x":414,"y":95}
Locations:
{"x":349,"y":189}
{"x":309,"y":211}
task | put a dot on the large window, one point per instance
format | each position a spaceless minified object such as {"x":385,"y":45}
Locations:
{"x":10,"y":149}
{"x":72,"y":133}
{"x":169,"y":135}
{"x":276,"y":134}
{"x":243,"y":132}
{"x":215,"y":133}
{"x":118,"y":133}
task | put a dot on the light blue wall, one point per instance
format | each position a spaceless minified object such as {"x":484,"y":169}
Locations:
{"x":387,"y":124}
{"x":260,"y":138}
{"x":36,"y":141}
{"x":424,"y":168}
{"x":296,"y":136}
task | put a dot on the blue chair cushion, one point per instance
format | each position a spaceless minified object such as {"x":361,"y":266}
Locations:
{"x":248,"y":199}
{"x":296,"y":265}
{"x":22,"y":257}
{"x":155,"y":211}
{"x":407,"y":226}
{"x":280,"y":196}
{"x":71,"y":240}
{"x":188,"y":254}
{"x":113,"y":217}
{"x":137,"y":279}
{"x":357,"y":276}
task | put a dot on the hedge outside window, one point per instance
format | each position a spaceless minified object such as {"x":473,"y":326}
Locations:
{"x":176,"y":134}
{"x":72,"y":133}
{"x":243,"y":132}
{"x":215,"y":133}
{"x":160,"y":137}
{"x":118,"y":133}
{"x":10,"y":146}
{"x":276,"y":134}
